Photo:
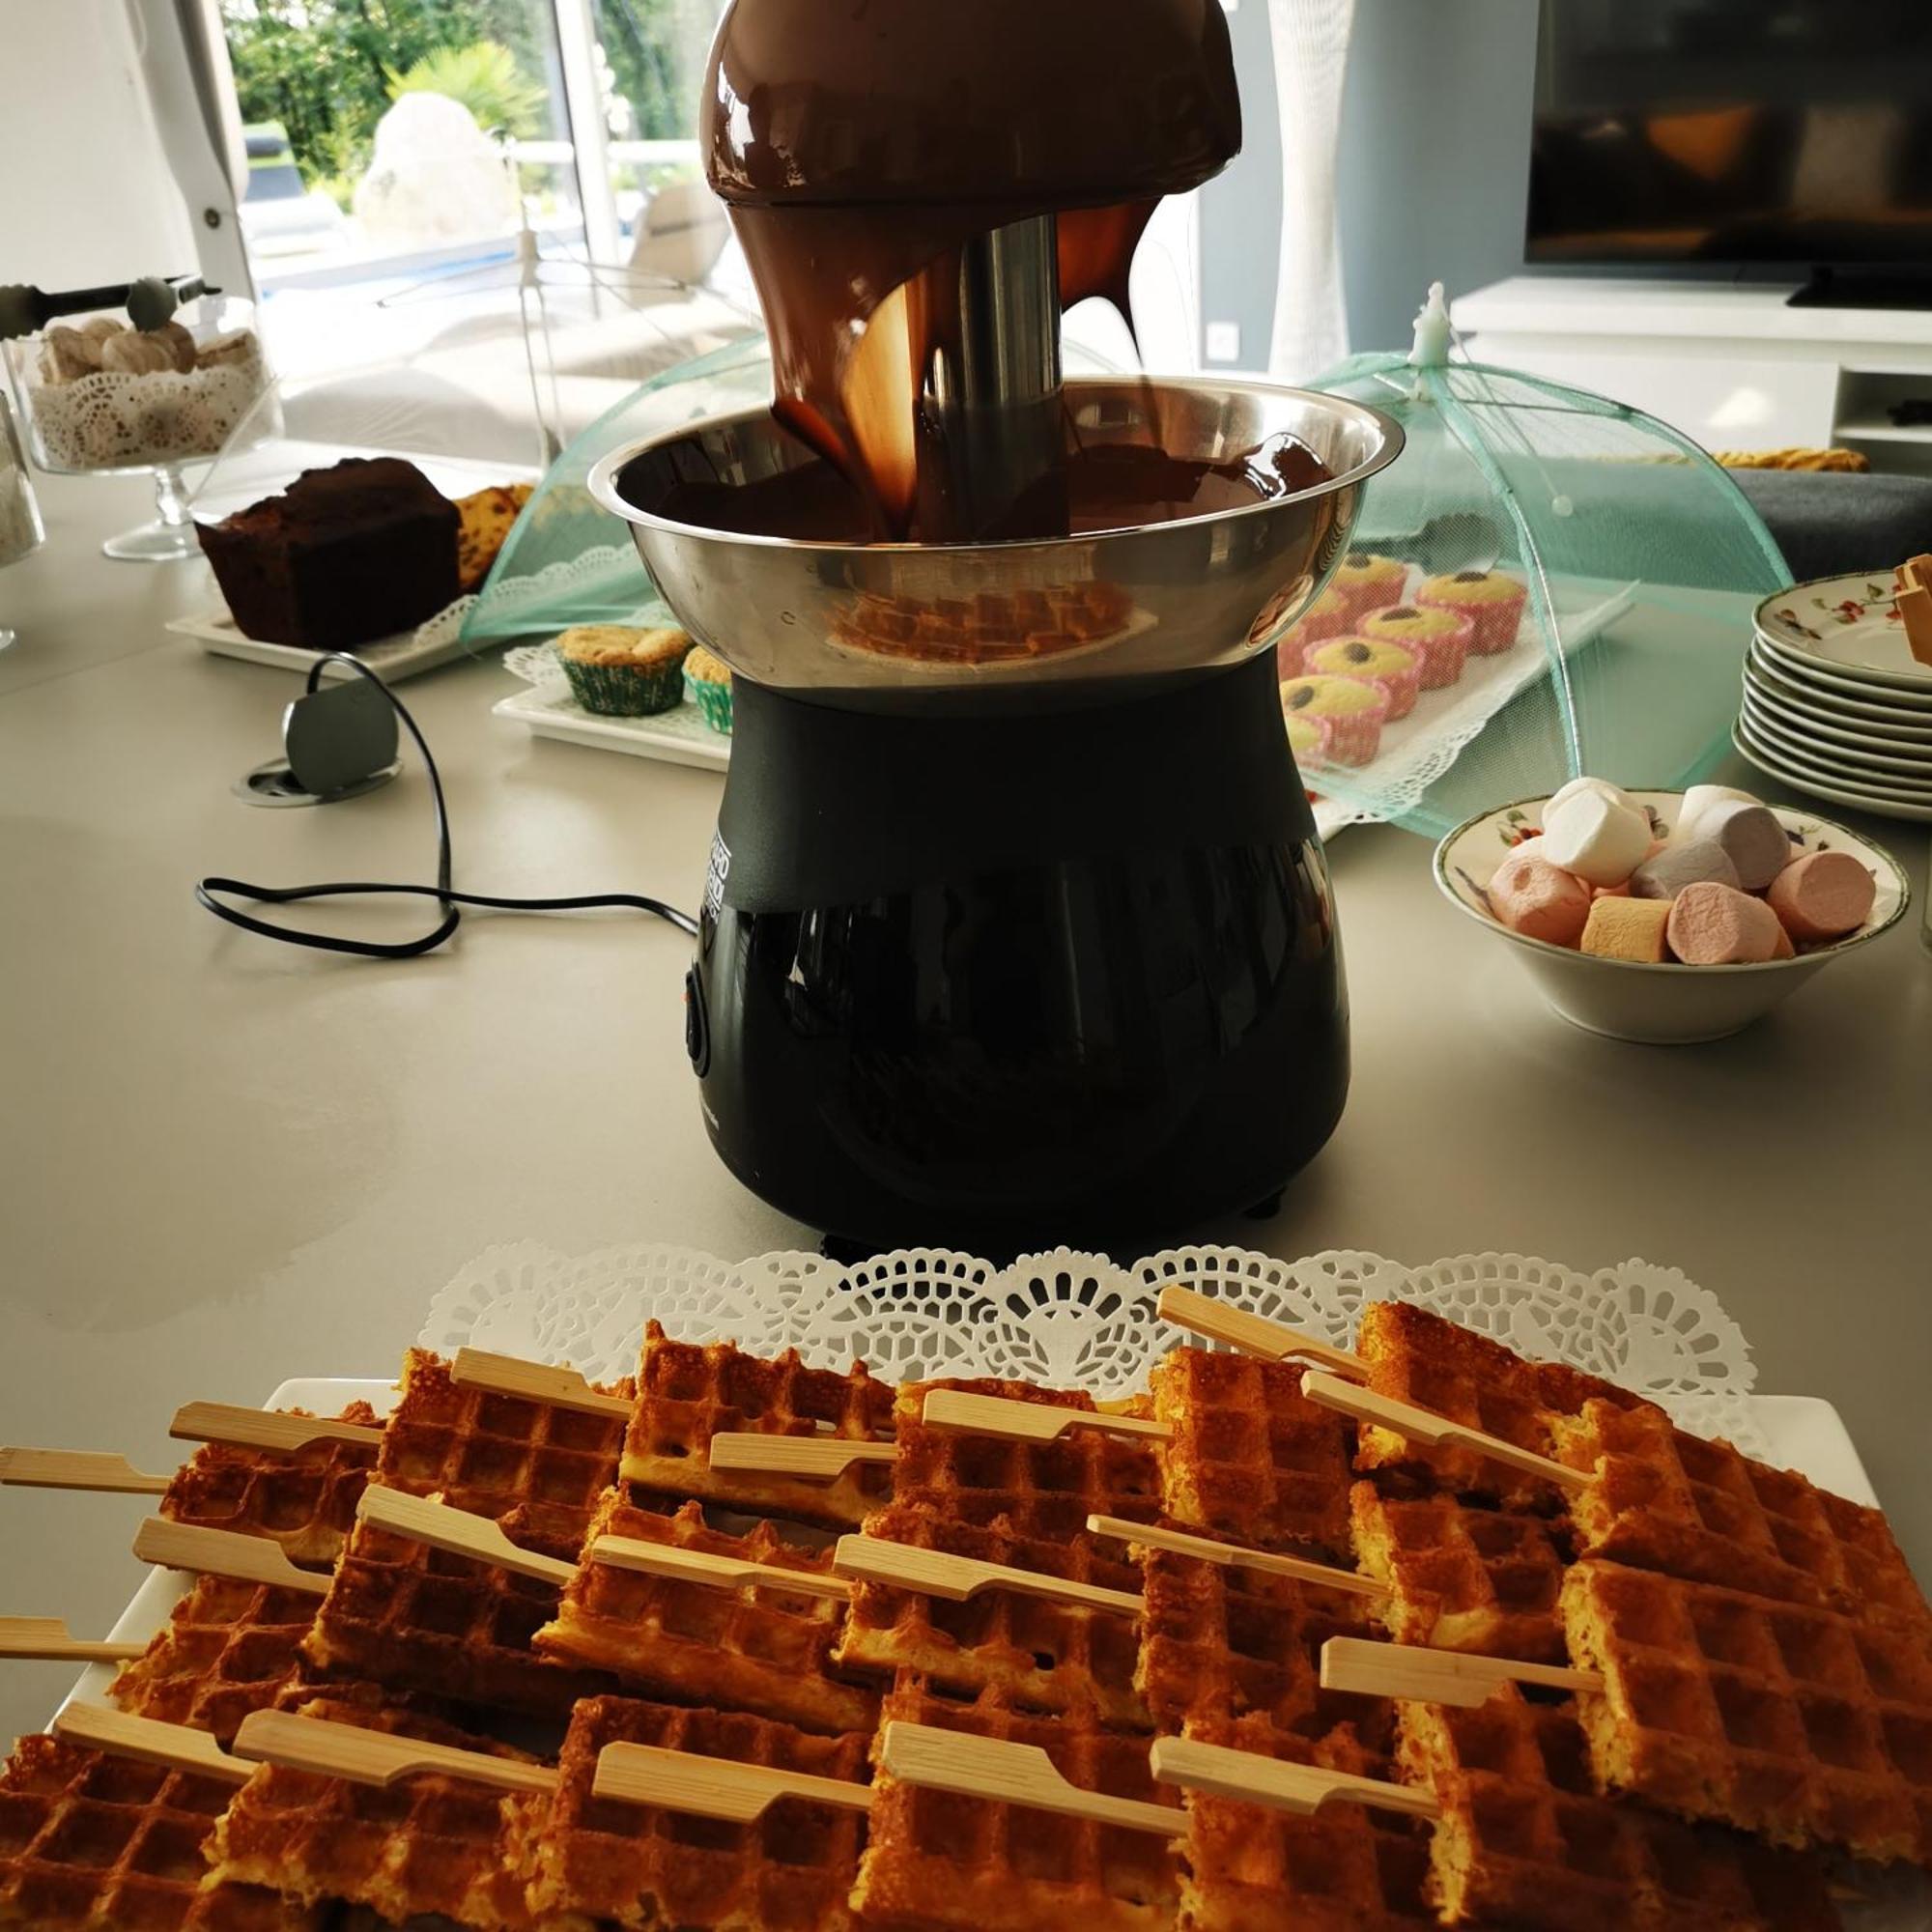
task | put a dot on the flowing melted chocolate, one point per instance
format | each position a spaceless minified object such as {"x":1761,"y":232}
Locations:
{"x":862,"y":145}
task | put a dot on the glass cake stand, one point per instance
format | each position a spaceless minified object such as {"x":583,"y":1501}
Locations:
{"x":98,"y":400}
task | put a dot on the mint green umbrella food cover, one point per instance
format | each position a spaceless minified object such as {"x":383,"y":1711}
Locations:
{"x":1640,"y":562}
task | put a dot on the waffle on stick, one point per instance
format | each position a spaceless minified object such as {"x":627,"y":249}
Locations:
{"x":1414,"y":1357}
{"x":1661,"y":1500}
{"x":1250,"y":1869}
{"x":1525,"y":1840}
{"x":1798,"y":1724}
{"x":506,"y":1457}
{"x":1044,"y":1654}
{"x":95,"y":1842}
{"x":1221,"y":1646}
{"x":645,"y":1868}
{"x":687,"y":1393}
{"x":1248,"y":1456}
{"x":763,"y":1650}
{"x":414,"y":1619}
{"x":1463,"y":1578}
{"x":227,"y":1649}
{"x":936,"y":1861}
{"x":434,"y":1844}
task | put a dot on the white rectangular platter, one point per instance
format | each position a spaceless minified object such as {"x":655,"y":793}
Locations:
{"x":677,"y":737}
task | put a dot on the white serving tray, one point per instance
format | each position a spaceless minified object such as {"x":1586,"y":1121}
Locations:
{"x":679,"y":737}
{"x":403,"y":654}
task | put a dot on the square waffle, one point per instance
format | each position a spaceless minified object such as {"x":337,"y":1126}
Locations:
{"x":305,"y":1500}
{"x":1664,"y":1500}
{"x":934,"y":1860}
{"x":228,"y":1648}
{"x":1219,"y":1645}
{"x":1795,"y":1723}
{"x":418,"y":1620}
{"x":1041,"y":1655}
{"x":1034,"y":1489}
{"x":688,"y":1393}
{"x":1250,"y":1458}
{"x":1252,"y":1868}
{"x":94,"y":1843}
{"x":499,"y":1456}
{"x":1460,"y":1577}
{"x":764,"y":1650}
{"x":626,"y":1866}
{"x":426,"y":1845}
{"x":1417,"y":1358}
{"x":1524,"y":1840}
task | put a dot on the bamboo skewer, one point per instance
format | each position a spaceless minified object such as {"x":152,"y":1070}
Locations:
{"x":78,"y":1470}
{"x":456,"y":1533}
{"x":697,"y":1566}
{"x":1235,"y":1556}
{"x":1251,"y":1334}
{"x":935,"y":1572}
{"x":812,"y":1459}
{"x":1030,"y":1421}
{"x":1424,"y":1676}
{"x":1301,"y":1788}
{"x":1009,"y":1773}
{"x":264,"y":1428}
{"x":712,"y":1787}
{"x":543,"y":1382}
{"x":375,"y":1758}
{"x":47,"y":1640}
{"x":1433,"y":1431}
{"x":222,"y":1553}
{"x":149,"y":1742}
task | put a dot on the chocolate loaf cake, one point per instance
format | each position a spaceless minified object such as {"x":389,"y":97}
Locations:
{"x":355,"y":552}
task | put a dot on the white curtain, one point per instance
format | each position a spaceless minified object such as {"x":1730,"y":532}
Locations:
{"x":1311,"y":50}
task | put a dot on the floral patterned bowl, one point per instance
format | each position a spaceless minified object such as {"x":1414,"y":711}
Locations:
{"x":1665,"y":1005}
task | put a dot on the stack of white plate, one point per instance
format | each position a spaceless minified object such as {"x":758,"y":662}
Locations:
{"x":1835,"y":702}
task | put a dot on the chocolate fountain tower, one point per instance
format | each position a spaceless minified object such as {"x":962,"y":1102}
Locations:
{"x":1016,"y":928}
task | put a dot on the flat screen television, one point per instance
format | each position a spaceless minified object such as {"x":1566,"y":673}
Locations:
{"x":1733,"y":132}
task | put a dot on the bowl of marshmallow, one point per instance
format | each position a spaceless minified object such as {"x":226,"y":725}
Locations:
{"x":1668,"y":917}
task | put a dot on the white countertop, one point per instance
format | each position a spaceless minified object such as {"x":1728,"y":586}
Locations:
{"x":225,"y":1163}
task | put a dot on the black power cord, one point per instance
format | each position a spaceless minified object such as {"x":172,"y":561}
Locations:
{"x":442,"y":892}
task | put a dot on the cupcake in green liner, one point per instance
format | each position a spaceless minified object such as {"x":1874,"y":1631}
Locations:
{"x":621,"y":671}
{"x":708,"y":683}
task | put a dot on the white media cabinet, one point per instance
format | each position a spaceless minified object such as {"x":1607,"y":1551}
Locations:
{"x":1732,"y":366}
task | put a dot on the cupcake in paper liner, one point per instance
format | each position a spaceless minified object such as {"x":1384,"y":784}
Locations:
{"x":1491,"y":600}
{"x":1366,"y":581}
{"x":1330,"y":615}
{"x":1308,"y":739}
{"x":1391,"y":670}
{"x":1353,"y":713}
{"x":1436,"y":638}
{"x":619,"y":671}
{"x":708,"y":683}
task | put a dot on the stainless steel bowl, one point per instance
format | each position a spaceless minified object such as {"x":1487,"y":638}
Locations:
{"x":1175,"y":596}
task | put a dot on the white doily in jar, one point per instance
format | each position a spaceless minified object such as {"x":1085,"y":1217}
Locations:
{"x":119,"y":420}
{"x":1081,"y":1321}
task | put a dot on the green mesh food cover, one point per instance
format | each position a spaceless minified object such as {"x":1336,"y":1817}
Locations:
{"x":1569,"y":580}
{"x":568,"y":562}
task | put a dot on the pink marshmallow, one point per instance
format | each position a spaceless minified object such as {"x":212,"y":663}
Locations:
{"x":1822,"y":896}
{"x":1711,"y":924}
{"x":1540,"y":900}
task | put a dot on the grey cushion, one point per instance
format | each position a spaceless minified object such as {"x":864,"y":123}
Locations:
{"x":1832,"y":525}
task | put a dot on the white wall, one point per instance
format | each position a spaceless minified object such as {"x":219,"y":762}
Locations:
{"x":86,"y":195}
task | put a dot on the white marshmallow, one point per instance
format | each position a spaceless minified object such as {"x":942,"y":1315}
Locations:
{"x":1603,"y":788}
{"x":1596,"y":837}
{"x":1699,"y":799}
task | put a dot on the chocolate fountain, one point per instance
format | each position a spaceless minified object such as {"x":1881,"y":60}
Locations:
{"x":1016,"y":928}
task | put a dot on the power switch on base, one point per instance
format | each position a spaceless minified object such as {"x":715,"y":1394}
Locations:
{"x":696,"y":1028}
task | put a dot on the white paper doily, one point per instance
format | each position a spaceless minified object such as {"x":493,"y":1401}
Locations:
{"x":1081,"y":1321}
